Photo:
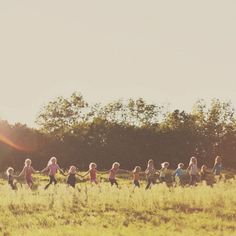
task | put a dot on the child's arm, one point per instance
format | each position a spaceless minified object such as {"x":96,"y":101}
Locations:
{"x":174,"y":172}
{"x":79,"y":175}
{"x":188,"y":168}
{"x":103,"y":172}
{"x":213,"y":169}
{"x":60,"y":170}
{"x":21,"y":173}
{"x":85,"y":174}
{"x":126,"y":171}
{"x":35,"y":171}
{"x":45,"y":169}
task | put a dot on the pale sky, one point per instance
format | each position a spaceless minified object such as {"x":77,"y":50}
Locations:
{"x":164,"y":51}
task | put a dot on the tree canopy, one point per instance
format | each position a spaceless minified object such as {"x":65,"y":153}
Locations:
{"x":129,"y":131}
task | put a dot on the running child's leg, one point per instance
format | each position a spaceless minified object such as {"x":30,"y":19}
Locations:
{"x":149,"y":183}
{"x":192,"y":181}
{"x":162,"y":179}
{"x":54,"y":180}
{"x":13,"y":186}
{"x":112,"y":182}
{"x":29,"y":182}
{"x":115,"y":182}
{"x":50,"y":182}
{"x":136,"y":184}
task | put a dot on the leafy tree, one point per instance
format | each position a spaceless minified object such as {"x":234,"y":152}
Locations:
{"x":61,"y":115}
{"x":129,"y":131}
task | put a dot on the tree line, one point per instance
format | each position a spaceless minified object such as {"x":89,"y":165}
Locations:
{"x":129,"y":131}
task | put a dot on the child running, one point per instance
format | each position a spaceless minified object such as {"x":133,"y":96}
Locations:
{"x":112,"y":174}
{"x":11,"y":178}
{"x":27,"y":172}
{"x":150,"y":174}
{"x":204,"y":173}
{"x":217,"y":167}
{"x":163,"y":171}
{"x":71,"y":179}
{"x":92,"y":172}
{"x":52,"y":167}
{"x":136,"y":176}
{"x":178,"y":174}
{"x":193,"y":171}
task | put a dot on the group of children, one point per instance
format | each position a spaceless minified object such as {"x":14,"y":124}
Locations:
{"x":151,"y":173}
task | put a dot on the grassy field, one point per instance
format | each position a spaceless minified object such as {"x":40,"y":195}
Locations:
{"x":91,"y":210}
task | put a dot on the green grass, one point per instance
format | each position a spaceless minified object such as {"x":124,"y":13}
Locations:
{"x":90,"y":210}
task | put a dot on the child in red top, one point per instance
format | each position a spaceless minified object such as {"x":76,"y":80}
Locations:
{"x":52,"y":167}
{"x":136,"y":176}
{"x":113,"y":172}
{"x":92,"y":172}
{"x":27,"y":171}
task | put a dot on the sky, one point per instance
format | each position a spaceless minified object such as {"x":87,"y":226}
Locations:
{"x":163,"y":51}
